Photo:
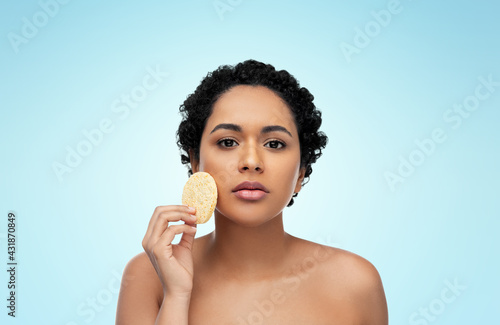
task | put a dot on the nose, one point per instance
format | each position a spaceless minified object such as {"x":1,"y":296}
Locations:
{"x":250,"y":159}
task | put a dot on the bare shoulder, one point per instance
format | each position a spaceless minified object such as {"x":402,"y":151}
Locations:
{"x":340,"y":275}
{"x":140,"y":292}
{"x":349,"y":267}
{"x":140,"y":270}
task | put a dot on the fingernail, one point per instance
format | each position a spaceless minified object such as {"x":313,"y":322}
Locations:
{"x":191,"y":209}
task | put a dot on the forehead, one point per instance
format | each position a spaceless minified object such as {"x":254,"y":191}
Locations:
{"x":251,"y":106}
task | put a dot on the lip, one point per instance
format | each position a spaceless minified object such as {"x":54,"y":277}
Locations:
{"x":247,"y":185}
{"x":251,"y":191}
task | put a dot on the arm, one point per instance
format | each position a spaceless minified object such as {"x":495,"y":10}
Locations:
{"x":373,"y":299}
{"x":174,"y":310}
{"x":163,"y":267}
{"x":141,"y":295}
{"x":368,"y":292}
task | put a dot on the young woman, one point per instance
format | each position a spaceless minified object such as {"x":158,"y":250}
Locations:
{"x":256,"y":131}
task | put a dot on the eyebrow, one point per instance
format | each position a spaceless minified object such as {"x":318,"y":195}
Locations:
{"x":265,"y":129}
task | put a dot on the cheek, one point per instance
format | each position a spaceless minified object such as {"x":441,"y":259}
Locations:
{"x":220,"y":169}
{"x":222,"y":179}
{"x":287,"y":172}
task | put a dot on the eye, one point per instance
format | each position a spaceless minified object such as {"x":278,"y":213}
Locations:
{"x":226,"y":143}
{"x":275,"y":144}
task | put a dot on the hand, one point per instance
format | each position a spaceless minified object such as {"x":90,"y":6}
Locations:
{"x":173,"y":263}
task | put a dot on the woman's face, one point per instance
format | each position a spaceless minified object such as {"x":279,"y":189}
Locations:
{"x":251,"y":136}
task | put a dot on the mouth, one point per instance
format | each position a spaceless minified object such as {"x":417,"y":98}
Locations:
{"x":251,"y":191}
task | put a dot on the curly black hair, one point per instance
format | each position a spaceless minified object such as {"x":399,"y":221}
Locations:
{"x":197,"y":108}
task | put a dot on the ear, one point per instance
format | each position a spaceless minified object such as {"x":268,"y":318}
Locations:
{"x":193,"y":161}
{"x":298,"y":185}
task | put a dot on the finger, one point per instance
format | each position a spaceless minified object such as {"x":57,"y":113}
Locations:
{"x":165,"y":242}
{"x":152,"y":220}
{"x":185,"y":214}
{"x":187,"y":239}
{"x":163,"y":220}
{"x":158,"y":211}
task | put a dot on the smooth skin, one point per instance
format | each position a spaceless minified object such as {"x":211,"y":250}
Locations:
{"x":249,"y":270}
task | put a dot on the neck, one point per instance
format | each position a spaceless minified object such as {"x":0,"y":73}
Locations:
{"x":249,"y":252}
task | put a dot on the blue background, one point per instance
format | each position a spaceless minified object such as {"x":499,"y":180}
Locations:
{"x":77,"y":231}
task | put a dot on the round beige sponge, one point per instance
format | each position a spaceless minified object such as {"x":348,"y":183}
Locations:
{"x":200,"y":192}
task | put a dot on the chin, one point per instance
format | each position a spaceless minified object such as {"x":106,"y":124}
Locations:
{"x":246,"y":219}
